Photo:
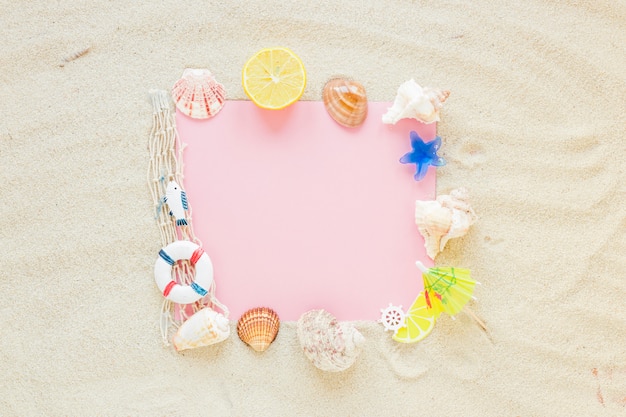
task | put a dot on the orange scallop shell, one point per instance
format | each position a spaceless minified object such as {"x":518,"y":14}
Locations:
{"x":345,"y":101}
{"x":197,"y":94}
{"x":258,"y":327}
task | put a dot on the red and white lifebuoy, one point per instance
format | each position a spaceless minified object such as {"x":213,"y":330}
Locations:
{"x":183,"y":294}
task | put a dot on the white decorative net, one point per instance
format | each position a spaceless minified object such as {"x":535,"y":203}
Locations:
{"x":165,"y":165}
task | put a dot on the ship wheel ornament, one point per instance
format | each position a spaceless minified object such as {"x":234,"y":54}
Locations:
{"x":392,"y":317}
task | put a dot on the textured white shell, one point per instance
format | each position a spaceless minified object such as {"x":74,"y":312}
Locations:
{"x":448,"y":217}
{"x":415,"y":102}
{"x":197,"y":94}
{"x":204,"y":328}
{"x":331,"y":346}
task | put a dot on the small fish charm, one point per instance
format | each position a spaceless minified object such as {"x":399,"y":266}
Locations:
{"x":176,"y":200}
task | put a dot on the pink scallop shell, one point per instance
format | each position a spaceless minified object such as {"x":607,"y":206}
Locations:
{"x":198,"y":95}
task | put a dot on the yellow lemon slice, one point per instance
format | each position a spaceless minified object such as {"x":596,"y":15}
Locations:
{"x":419,"y":322}
{"x":274,"y":78}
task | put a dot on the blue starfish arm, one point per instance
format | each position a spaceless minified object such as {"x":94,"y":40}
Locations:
{"x":438,"y":162}
{"x":407,"y":158}
{"x":422,"y":169}
{"x":435,"y":144}
{"x":416,"y":141}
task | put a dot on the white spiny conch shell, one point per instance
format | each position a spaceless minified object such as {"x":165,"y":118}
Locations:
{"x":197,"y":94}
{"x":415,"y":102}
{"x":204,"y":328}
{"x":330,"y":345}
{"x":443,"y":219}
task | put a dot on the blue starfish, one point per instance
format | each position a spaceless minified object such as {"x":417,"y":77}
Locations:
{"x":423,"y":155}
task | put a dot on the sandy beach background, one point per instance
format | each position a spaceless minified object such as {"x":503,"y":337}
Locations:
{"x":535,"y":129}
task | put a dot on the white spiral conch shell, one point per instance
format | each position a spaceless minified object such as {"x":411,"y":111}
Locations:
{"x":448,"y":217}
{"x":330,"y":345}
{"x":204,"y":328}
{"x":415,"y":102}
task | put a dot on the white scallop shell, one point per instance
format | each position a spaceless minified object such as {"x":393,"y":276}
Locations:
{"x":330,"y":345}
{"x":204,"y":328}
{"x":448,"y":217}
{"x":415,"y":102}
{"x":197,"y":94}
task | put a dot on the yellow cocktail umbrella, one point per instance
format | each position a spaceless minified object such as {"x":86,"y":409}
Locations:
{"x":448,"y":289}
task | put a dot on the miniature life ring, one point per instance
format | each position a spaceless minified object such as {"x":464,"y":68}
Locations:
{"x":183,"y":294}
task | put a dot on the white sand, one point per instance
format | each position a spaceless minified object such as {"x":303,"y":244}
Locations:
{"x":535,"y":129}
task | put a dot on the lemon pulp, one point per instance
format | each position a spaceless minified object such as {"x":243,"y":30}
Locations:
{"x":274,"y":78}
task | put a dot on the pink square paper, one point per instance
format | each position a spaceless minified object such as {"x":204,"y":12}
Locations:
{"x":299,"y":213}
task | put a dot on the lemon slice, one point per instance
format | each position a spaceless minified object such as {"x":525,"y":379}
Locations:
{"x":419,"y":322}
{"x":274,"y":78}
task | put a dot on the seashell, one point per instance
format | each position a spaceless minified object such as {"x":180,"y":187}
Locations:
{"x":330,"y":345}
{"x":447,"y":217}
{"x":258,"y":327}
{"x":197,"y":94}
{"x":415,"y":102}
{"x":345,"y":101}
{"x":206,"y":327}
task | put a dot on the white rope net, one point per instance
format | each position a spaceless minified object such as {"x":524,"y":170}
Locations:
{"x":165,"y":165}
